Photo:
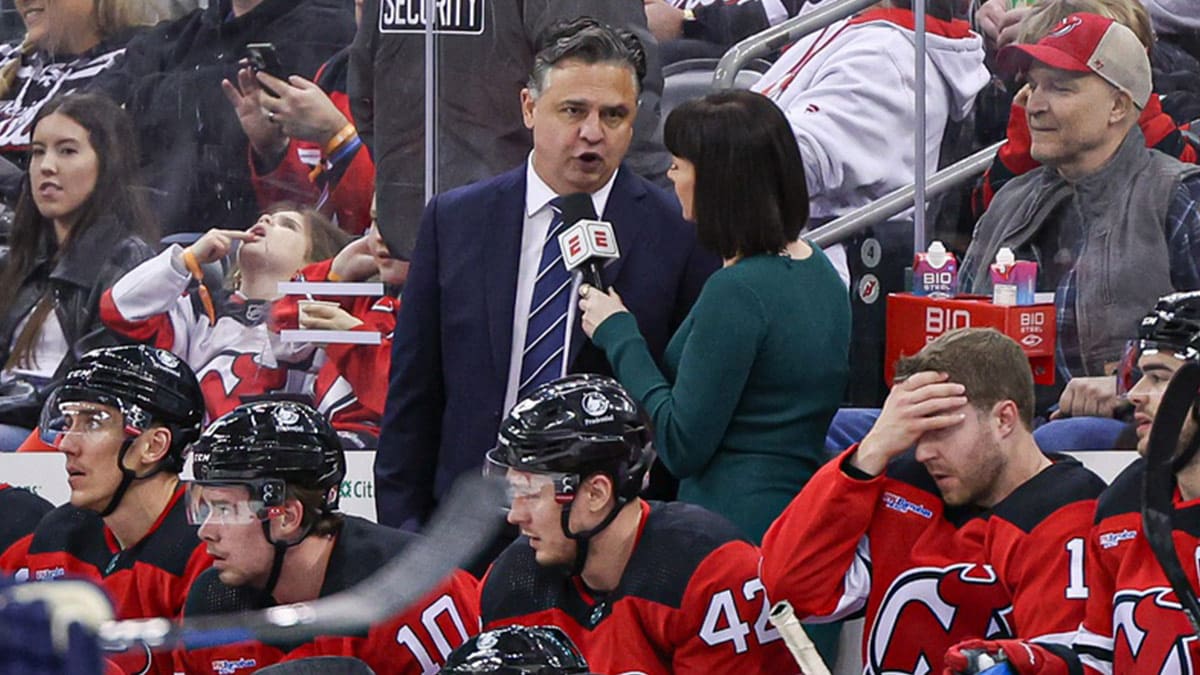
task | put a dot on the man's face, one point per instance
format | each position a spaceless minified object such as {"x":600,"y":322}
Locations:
{"x":1146,"y":394}
{"x":91,"y":438}
{"x":582,"y":124}
{"x":233,"y":533}
{"x":539,"y":517}
{"x":1070,"y":119}
{"x":965,"y":460}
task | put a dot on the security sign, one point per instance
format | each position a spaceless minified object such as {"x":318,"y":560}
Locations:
{"x":460,"y":17}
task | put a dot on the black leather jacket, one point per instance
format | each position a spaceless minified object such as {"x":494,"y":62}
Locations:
{"x":101,"y":256}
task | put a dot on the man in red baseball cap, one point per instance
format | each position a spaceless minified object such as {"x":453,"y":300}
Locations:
{"x":1112,"y":224}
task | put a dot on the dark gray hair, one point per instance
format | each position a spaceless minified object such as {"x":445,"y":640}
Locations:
{"x":590,"y":41}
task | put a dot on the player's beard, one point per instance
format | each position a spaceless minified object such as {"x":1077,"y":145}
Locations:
{"x":978,"y":480}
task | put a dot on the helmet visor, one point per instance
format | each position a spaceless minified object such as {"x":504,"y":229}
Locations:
{"x":80,"y":420}
{"x":1130,"y":371}
{"x":224,"y":504}
{"x":521,"y":485}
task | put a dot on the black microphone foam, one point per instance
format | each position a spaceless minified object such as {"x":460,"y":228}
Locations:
{"x":577,"y":206}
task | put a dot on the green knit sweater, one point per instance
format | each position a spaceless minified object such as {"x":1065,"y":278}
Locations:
{"x":753,"y":376}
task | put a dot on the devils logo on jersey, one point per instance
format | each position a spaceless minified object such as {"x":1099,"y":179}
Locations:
{"x":1151,"y":633}
{"x":928,"y":609}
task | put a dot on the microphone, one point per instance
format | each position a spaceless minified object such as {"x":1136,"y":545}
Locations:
{"x":587,"y":243}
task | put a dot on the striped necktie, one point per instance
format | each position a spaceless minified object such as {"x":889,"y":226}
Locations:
{"x":546,"y":332}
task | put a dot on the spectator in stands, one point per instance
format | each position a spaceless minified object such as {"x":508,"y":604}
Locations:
{"x":1013,"y":158}
{"x":480,"y":327}
{"x":352,"y":376}
{"x":635,"y":584}
{"x":998,"y":21}
{"x":268,"y":481}
{"x":303,"y":146}
{"x":67,"y":44}
{"x":704,"y":28}
{"x":22,"y":510}
{"x":122,"y":417}
{"x":857,"y":148}
{"x":1176,"y":58}
{"x":484,"y":59}
{"x":947,"y":509}
{"x":194,"y":149}
{"x":80,"y":224}
{"x":224,"y":335}
{"x":1112,"y":225}
{"x":758,"y":368}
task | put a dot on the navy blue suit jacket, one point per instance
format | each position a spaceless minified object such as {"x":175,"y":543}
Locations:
{"x":453,"y":339}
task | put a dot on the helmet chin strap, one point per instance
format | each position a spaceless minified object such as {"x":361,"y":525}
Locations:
{"x":582,"y":539}
{"x":127,"y":477}
{"x":281,"y":548}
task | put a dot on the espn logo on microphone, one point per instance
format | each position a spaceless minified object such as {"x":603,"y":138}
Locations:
{"x":587,"y":239}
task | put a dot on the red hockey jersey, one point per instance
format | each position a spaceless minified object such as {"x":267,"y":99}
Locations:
{"x":147,"y":579}
{"x":414,"y":642}
{"x":689,"y":601}
{"x":1134,"y":623}
{"x":351,"y":386}
{"x":928,"y":576}
{"x":233,"y":356}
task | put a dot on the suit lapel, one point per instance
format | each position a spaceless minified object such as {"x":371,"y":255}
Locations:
{"x":623,"y":211}
{"x":502,"y":256}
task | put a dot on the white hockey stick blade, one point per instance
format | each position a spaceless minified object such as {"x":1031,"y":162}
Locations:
{"x":467,"y":520}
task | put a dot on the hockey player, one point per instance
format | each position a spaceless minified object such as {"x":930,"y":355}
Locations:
{"x":268,"y":478}
{"x":639,"y":586}
{"x":971,"y":533}
{"x":1133,"y":622}
{"x":122,"y":416}
{"x":517,"y":650}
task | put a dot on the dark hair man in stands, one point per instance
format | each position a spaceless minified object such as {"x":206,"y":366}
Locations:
{"x":268,"y":481}
{"x":1112,"y":224}
{"x":947,"y":521}
{"x":640,"y":586}
{"x":122,"y":417}
{"x":487,"y":314}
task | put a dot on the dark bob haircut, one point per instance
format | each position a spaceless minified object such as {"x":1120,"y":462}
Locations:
{"x":750,"y":195}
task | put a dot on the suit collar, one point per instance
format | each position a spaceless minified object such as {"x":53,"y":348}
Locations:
{"x":538,"y":194}
{"x":504,"y":214}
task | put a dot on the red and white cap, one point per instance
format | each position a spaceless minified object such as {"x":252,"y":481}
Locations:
{"x":1084,"y":42}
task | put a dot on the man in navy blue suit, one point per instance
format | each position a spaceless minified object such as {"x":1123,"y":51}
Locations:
{"x":486,"y":312}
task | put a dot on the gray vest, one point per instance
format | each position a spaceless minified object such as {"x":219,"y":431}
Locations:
{"x":1122,"y":263}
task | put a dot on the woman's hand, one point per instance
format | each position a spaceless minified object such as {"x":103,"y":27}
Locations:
{"x":596,"y":306}
{"x":266,"y":137}
{"x":215,"y":244}
{"x":300,"y":108}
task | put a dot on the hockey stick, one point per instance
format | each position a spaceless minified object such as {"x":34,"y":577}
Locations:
{"x":1158,"y":487}
{"x":783,"y":617}
{"x":466,"y":521}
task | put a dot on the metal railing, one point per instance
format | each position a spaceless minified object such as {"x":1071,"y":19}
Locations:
{"x":775,"y":37}
{"x":901,"y":199}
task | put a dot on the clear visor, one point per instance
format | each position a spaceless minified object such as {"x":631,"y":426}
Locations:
{"x":527,"y":484}
{"x":224,"y":504}
{"x":61,"y":420}
{"x":1129,"y":372}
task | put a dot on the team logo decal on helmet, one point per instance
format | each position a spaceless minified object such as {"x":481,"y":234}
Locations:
{"x":595,"y":404}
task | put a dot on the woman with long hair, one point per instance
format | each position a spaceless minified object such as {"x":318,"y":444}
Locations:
{"x":67,"y":44}
{"x":80,"y":224}
{"x":223,"y":333}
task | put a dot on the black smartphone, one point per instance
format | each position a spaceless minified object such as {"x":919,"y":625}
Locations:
{"x":262,"y":56}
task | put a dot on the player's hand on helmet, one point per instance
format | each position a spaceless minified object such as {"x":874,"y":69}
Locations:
{"x":925,"y":401}
{"x":216,"y":244}
{"x":1088,"y":397}
{"x":596,"y":306}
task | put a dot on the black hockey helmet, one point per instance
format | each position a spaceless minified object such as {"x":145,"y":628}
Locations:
{"x":1172,"y":327}
{"x":578,"y":425}
{"x":148,"y":385}
{"x":268,"y":445}
{"x":517,"y":650}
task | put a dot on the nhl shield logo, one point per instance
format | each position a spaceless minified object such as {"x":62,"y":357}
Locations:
{"x":167,"y":358}
{"x":595,"y":404}
{"x":286,"y":416}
